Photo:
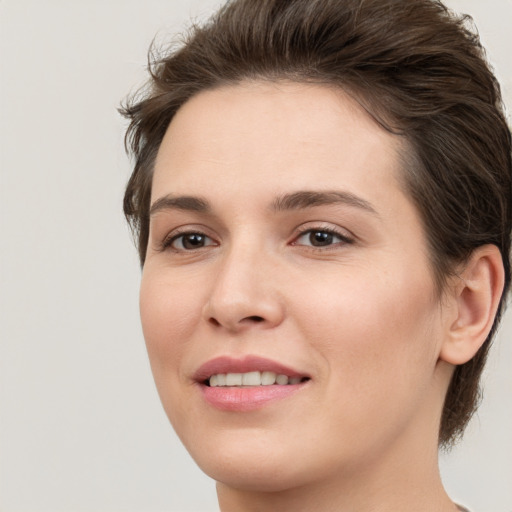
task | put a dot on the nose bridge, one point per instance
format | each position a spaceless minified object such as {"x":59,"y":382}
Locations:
{"x":244,"y":292}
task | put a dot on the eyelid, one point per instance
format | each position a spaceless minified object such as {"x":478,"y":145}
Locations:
{"x":345,"y":236}
{"x":170,"y":238}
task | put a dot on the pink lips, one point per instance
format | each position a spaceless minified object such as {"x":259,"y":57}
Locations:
{"x":244,"y":398}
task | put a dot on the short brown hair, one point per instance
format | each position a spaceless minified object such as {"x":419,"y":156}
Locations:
{"x":417,"y":68}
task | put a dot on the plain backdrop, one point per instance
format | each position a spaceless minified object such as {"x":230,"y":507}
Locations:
{"x":81,"y":426}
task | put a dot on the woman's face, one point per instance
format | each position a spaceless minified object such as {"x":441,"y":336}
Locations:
{"x":282,"y":242}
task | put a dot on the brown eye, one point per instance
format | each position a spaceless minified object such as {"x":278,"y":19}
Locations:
{"x":190,"y":241}
{"x":319,"y":238}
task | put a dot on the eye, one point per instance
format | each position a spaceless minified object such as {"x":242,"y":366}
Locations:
{"x":321,"y":238}
{"x":189,"y":241}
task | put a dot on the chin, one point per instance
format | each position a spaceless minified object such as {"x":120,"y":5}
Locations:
{"x":252,"y":466}
{"x":255,"y":477}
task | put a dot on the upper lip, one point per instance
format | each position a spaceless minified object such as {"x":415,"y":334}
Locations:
{"x":228,"y":364}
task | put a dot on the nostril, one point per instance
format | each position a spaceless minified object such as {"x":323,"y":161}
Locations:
{"x":254,"y":318}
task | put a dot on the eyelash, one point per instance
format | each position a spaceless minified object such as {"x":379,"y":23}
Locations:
{"x":168,"y":241}
{"x":344,"y":239}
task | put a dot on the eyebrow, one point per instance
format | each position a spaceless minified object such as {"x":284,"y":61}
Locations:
{"x":294,"y":201}
{"x":308,"y":199}
{"x":186,"y":203}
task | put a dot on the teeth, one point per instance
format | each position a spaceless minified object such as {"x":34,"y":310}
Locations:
{"x":234,"y":379}
{"x":268,"y":378}
{"x":252,"y":379}
{"x":282,"y":380}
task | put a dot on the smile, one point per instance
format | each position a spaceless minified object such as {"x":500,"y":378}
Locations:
{"x":247,"y":384}
{"x":255,"y":378}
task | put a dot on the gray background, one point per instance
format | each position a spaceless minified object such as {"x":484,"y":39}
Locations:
{"x":81,"y":427}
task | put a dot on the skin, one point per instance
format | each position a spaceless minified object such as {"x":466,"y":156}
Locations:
{"x":360,"y":316}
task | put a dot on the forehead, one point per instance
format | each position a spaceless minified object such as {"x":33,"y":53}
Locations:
{"x":279,"y":133}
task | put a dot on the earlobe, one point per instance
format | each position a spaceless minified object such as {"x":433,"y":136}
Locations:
{"x":476,"y":297}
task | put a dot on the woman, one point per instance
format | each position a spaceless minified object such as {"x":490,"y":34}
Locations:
{"x":322,"y":203}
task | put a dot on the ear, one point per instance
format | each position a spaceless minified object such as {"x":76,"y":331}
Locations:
{"x":475,"y":296}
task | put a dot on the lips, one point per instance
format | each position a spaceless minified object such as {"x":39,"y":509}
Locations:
{"x":230,"y":384}
{"x":225,"y":365}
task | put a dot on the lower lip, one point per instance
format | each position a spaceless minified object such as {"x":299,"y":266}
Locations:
{"x":246,"y":399}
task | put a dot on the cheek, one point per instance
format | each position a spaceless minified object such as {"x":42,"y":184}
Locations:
{"x":169,"y":313}
{"x":373,"y":326}
{"x":377,"y":342}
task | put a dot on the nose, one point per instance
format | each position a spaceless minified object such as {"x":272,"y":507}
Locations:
{"x":245,"y":292}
